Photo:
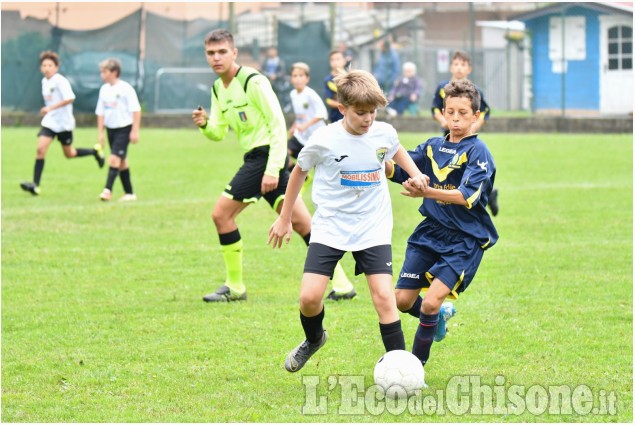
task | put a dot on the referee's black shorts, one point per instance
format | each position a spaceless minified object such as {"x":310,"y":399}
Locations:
{"x":246,"y":184}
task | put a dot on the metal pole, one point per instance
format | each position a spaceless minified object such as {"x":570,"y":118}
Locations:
{"x":472,"y":35}
{"x":563,"y":75}
{"x":232,"y":18}
{"x":332,"y":15}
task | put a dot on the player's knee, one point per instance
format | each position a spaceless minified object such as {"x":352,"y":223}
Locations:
{"x":310,"y":302}
{"x":431,"y":304}
{"x":404,"y":303}
{"x":70,"y":154}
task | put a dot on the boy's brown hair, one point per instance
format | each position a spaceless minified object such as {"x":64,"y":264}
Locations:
{"x":51,"y":55}
{"x":335,"y":52}
{"x":359,"y":88}
{"x":462,"y":56}
{"x":463,"y":88}
{"x":112,"y":65}
{"x":302,"y":67}
{"x":219,"y":35}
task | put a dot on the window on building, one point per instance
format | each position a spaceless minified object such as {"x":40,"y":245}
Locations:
{"x":620,"y":47}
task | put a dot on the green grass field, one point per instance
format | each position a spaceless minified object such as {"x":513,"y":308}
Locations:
{"x":102,"y":318}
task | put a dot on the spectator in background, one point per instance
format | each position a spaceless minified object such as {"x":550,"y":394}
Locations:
{"x":274,"y":69}
{"x":348,"y":53}
{"x":337,"y":62}
{"x":388,"y":67}
{"x":406,"y":92}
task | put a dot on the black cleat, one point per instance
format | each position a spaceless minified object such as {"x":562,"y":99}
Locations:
{"x":298,"y":357}
{"x":336,"y":297}
{"x":493,"y":201}
{"x":30,"y":187}
{"x":223,"y":294}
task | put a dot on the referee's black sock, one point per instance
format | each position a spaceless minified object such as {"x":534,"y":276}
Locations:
{"x":85,"y":152}
{"x":307,"y":238}
{"x":124,"y":175}
{"x":392,"y":336}
{"x":112,"y":176}
{"x":312,"y":326}
{"x":37,"y":171}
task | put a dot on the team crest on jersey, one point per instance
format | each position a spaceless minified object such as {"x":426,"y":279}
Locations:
{"x":455,"y":162}
{"x":306,"y":105}
{"x":381,"y":154}
{"x":243,"y":116}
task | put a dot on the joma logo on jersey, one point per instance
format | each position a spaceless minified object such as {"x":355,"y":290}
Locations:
{"x":381,"y":154}
{"x":410,"y":275}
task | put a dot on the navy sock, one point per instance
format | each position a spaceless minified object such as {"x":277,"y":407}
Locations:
{"x":37,"y":171}
{"x":392,"y":336}
{"x":425,"y":336}
{"x":124,"y":175}
{"x":415,"y":310}
{"x":312,"y":326}
{"x":85,"y":152}
{"x":112,"y":175}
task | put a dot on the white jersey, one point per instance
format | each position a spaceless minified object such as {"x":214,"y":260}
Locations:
{"x":55,"y":90}
{"x":116,"y":104}
{"x":306,"y":106}
{"x":353,"y":209}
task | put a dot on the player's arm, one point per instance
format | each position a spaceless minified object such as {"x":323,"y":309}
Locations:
{"x":99,"y":111}
{"x":453,"y":196}
{"x":135,"y":107}
{"x":213,"y":127}
{"x":263,"y":97}
{"x":282,"y":229}
{"x":405,"y":162}
{"x":397,"y":174}
{"x":330,"y":94}
{"x":68,"y":97}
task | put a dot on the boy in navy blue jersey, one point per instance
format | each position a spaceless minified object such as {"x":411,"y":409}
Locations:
{"x":446,"y":248}
{"x":461,"y":67}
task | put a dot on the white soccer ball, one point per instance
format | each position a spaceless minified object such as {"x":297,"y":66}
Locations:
{"x":399,"y":372}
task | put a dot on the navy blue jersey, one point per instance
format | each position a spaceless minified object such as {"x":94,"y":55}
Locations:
{"x":467,"y":166}
{"x":439,"y":95}
{"x":330,"y":92}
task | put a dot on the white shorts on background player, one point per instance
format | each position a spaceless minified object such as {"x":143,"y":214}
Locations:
{"x":55,"y":90}
{"x":353,"y":207}
{"x":306,"y":106}
{"x":116,"y":104}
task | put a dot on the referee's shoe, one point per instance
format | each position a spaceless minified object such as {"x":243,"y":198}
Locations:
{"x":224,"y":294}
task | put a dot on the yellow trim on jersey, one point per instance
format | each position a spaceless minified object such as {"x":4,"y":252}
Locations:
{"x":393,"y":170}
{"x":486,"y":244}
{"x":442,"y":173}
{"x":473,"y":198}
{"x":437,"y":110}
{"x":332,"y":86}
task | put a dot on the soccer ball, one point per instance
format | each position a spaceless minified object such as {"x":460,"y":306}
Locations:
{"x":399,"y":372}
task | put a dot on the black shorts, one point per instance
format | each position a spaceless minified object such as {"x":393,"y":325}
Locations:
{"x":119,"y":139}
{"x":246,"y":184}
{"x":65,"y":137}
{"x":321,"y":259}
{"x":294,"y":147}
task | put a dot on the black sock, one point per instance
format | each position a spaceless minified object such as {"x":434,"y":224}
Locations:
{"x":124,"y":175}
{"x":112,"y":175}
{"x":37,"y":171}
{"x":229,"y":238}
{"x":85,"y":152}
{"x":307,"y":238}
{"x":425,"y":336}
{"x":312,"y":326}
{"x":415,"y":310}
{"x":392,"y":336}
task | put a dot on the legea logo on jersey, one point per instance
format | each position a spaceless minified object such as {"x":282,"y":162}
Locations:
{"x":360,"y":179}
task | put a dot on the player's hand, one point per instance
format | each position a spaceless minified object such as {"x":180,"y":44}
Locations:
{"x":416,"y":187}
{"x":134,"y":136}
{"x":268,"y":184}
{"x":45,"y":110}
{"x":278,"y":232}
{"x":199,"y":117}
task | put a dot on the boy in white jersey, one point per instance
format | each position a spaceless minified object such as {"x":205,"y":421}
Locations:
{"x":58,"y":120}
{"x":119,"y":111}
{"x":310,"y":115}
{"x":353,"y":210}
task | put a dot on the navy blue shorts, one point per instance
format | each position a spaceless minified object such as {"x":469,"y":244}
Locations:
{"x":246,"y":184}
{"x":65,"y":137}
{"x":435,"y":251}
{"x":321,"y":259}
